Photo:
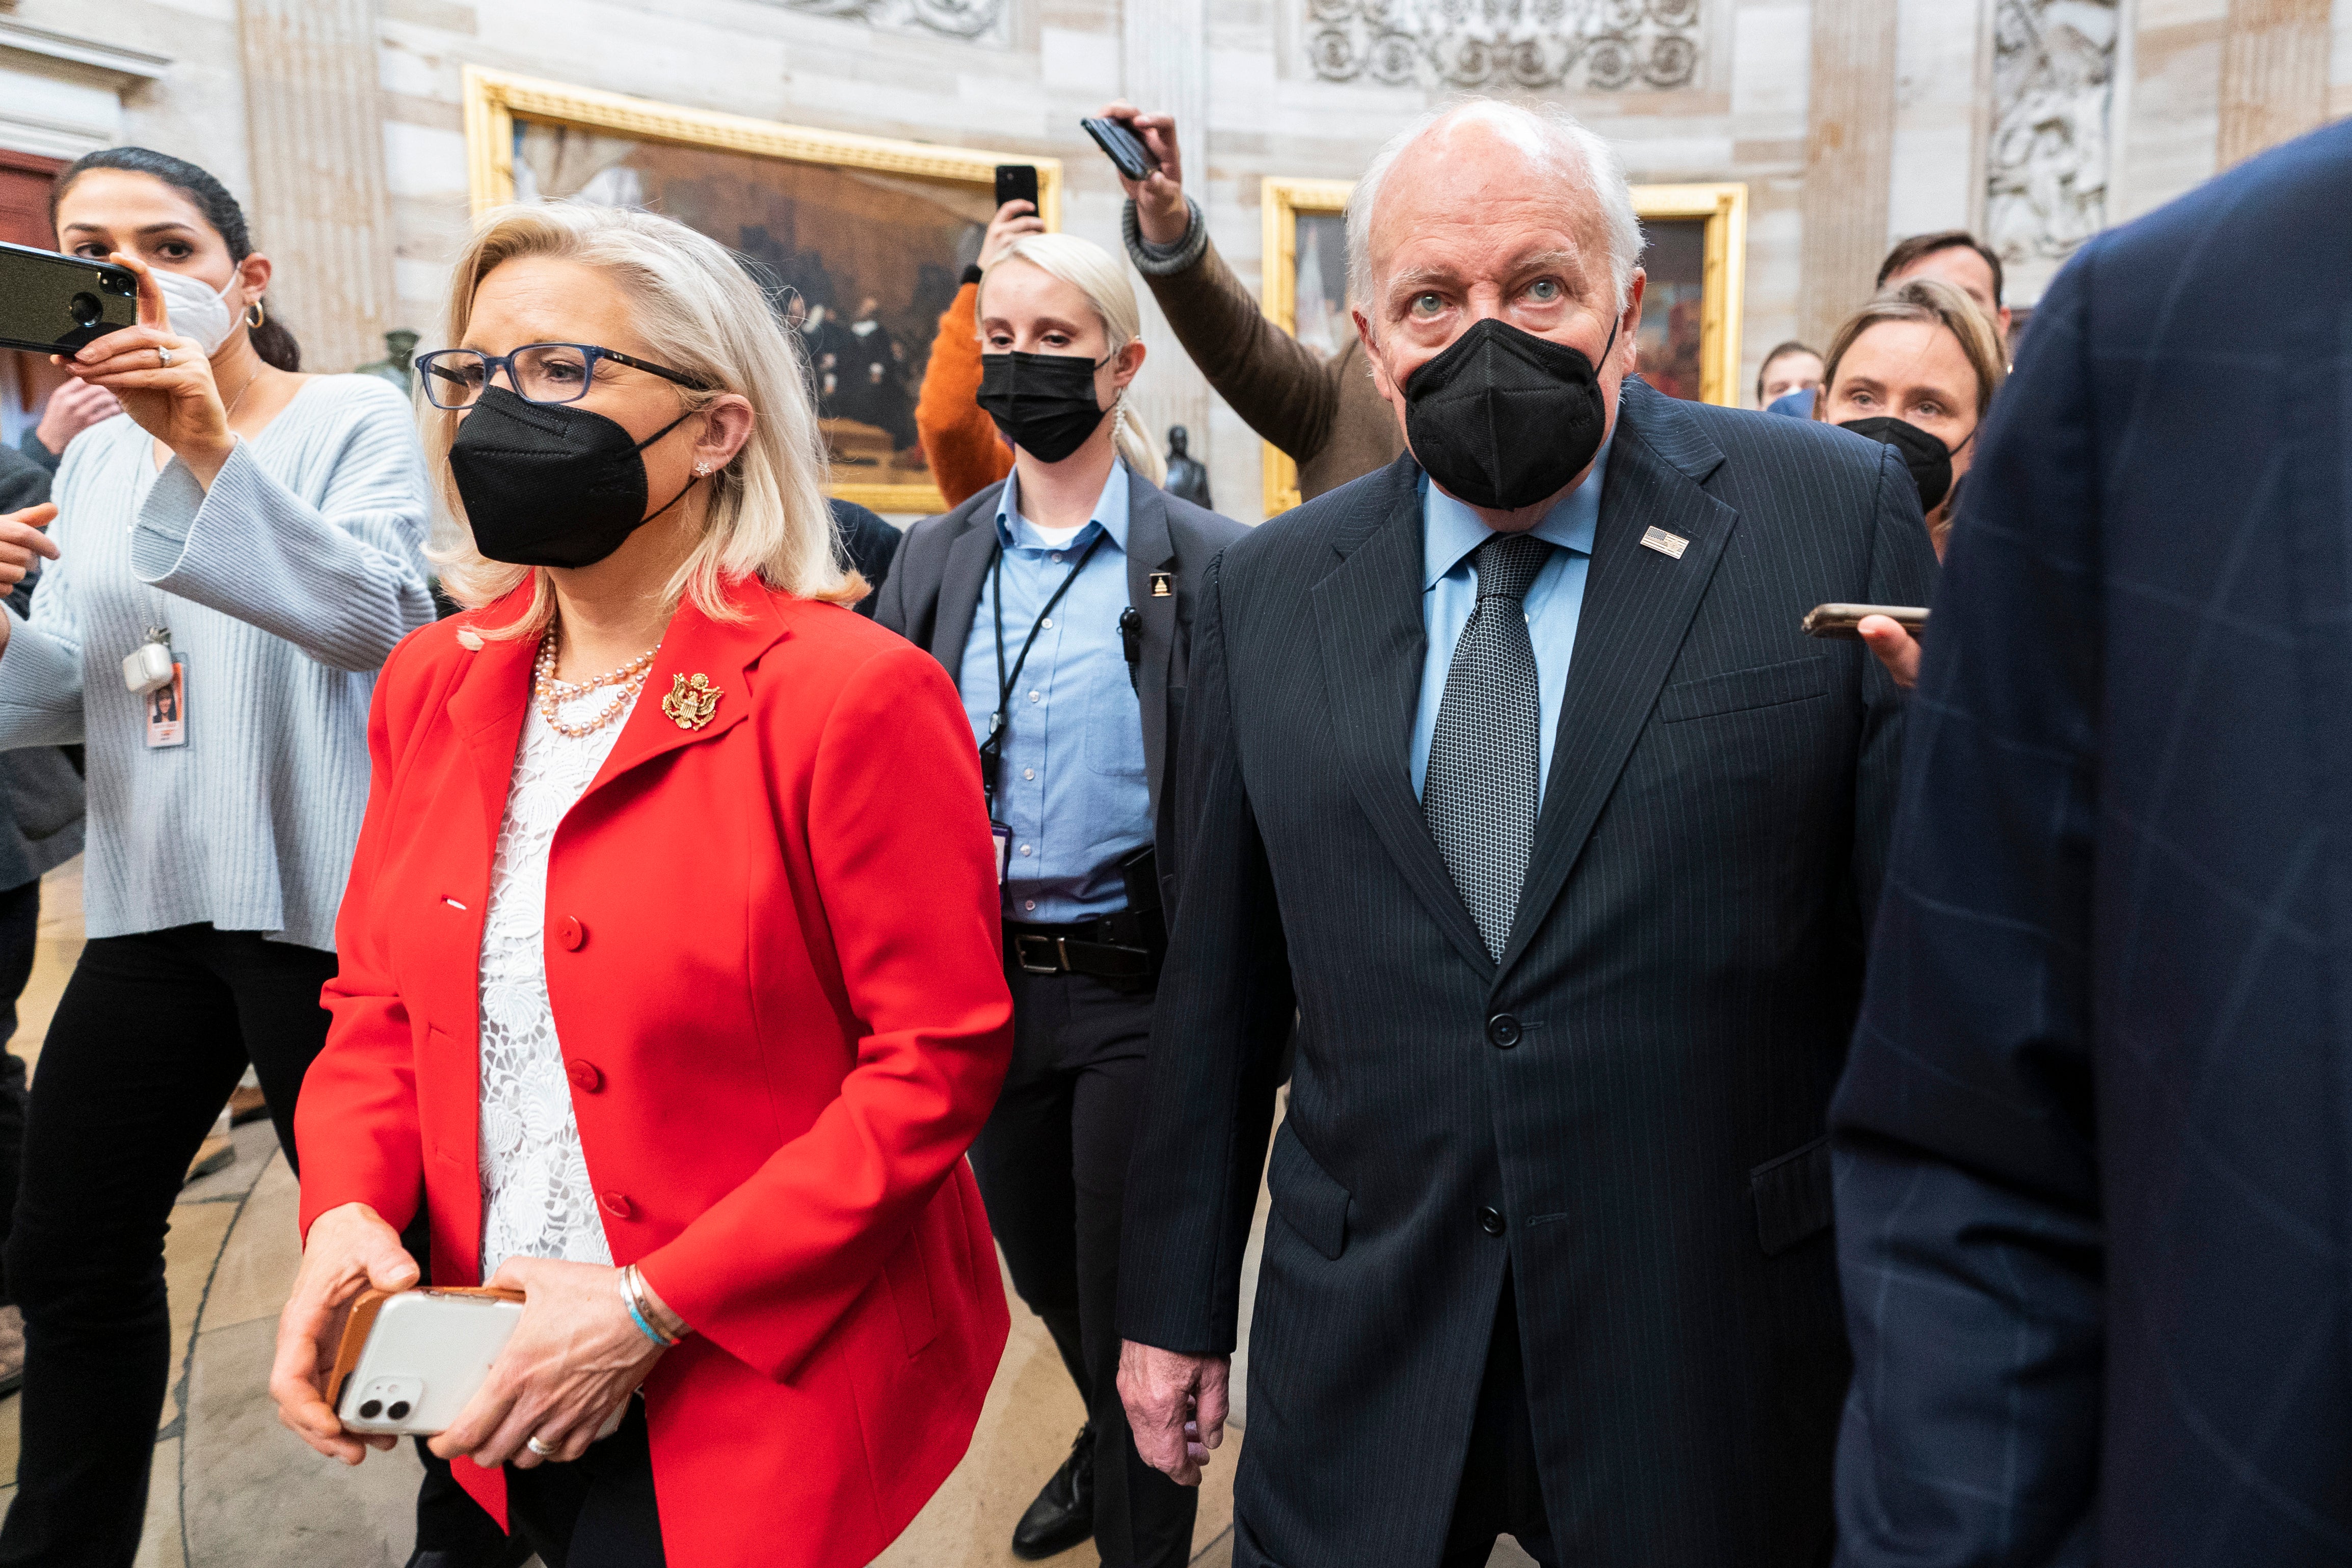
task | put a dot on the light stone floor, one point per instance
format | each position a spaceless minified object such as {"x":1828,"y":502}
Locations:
{"x":233,"y":1488}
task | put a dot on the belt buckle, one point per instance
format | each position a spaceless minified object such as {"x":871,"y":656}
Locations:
{"x":1051,"y":958}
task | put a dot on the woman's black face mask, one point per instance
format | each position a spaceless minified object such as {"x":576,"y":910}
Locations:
{"x":1045,"y":403}
{"x":552,"y":484}
{"x":1929,"y":460}
{"x":1504,"y":418}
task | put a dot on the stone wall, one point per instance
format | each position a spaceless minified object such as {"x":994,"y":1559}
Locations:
{"x":1852,"y":122}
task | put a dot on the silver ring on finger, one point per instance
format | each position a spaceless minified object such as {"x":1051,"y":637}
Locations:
{"x":536,"y":1446}
{"x":162,"y":359}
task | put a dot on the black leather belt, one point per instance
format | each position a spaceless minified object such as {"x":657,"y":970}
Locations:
{"x":1123,"y":950}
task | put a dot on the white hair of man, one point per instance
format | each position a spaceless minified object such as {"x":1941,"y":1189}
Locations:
{"x":1574,"y":153}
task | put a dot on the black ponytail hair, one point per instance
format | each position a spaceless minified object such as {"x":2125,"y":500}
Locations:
{"x":271,"y":341}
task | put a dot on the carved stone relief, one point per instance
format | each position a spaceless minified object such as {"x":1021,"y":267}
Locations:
{"x":2046,"y":183}
{"x":956,"y":18}
{"x":1603,"y":44}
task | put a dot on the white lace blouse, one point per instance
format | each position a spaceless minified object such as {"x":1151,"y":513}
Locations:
{"x":536,"y":1198}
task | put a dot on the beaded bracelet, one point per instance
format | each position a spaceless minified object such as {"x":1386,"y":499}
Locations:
{"x":637,"y":1310}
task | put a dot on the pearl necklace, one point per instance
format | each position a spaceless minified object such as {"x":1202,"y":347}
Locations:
{"x":551,"y":693}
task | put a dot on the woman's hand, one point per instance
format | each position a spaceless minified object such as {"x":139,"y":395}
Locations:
{"x":21,"y":543}
{"x":575,"y":1359}
{"x":1012,"y":220}
{"x":1895,"y":648}
{"x":177,"y":403}
{"x":72,"y":409}
{"x":348,"y":1249}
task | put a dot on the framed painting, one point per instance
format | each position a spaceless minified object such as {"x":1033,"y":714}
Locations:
{"x":859,"y":240}
{"x":1696,"y":257}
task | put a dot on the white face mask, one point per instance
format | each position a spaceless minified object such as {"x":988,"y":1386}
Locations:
{"x":196,"y":312}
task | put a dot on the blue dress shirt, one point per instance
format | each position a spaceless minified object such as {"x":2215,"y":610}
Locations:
{"x":1072,"y":785}
{"x":1449,"y":532}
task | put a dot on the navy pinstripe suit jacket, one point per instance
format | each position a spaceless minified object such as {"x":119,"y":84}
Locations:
{"x":1681,"y":982}
{"x":2094,"y":1186}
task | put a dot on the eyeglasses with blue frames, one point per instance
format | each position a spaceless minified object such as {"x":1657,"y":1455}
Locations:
{"x":538,"y":372}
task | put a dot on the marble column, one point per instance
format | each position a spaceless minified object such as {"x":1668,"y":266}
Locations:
{"x":1163,"y":50}
{"x":1849,"y":139}
{"x":2274,"y":59}
{"x":320,"y":210}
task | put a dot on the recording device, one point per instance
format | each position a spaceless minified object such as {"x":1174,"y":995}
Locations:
{"x":1121,"y":146}
{"x":410,"y":1360}
{"x":1844,"y":621}
{"x":1017,"y":183}
{"x":54,"y":304}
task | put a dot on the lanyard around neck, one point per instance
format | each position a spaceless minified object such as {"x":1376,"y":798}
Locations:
{"x":992,"y":750}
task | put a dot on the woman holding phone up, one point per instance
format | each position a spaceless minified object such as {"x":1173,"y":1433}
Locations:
{"x":250,"y":540}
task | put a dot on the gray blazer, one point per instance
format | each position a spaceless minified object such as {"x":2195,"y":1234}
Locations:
{"x":933,"y":590}
{"x":41,"y":797}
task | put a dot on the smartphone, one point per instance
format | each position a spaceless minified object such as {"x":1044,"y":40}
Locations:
{"x":54,"y":304}
{"x":1017,"y":183}
{"x":1122,"y":146}
{"x":410,"y":1360}
{"x":1843,"y":620}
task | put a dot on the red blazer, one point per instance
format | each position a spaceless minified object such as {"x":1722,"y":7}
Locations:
{"x":773,"y":961}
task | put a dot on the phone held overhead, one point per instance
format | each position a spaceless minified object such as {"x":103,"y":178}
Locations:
{"x":1121,"y":146}
{"x":1844,"y":621}
{"x":1017,"y":183}
{"x":54,"y":304}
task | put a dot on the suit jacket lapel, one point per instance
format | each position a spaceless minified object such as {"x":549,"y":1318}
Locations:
{"x":967,"y":568}
{"x":487,"y":707}
{"x":719,"y":652}
{"x":1638,"y":602}
{"x":1150,"y":548}
{"x":1368,"y":619}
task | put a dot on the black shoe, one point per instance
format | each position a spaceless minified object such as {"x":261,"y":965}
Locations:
{"x":1064,"y":1513}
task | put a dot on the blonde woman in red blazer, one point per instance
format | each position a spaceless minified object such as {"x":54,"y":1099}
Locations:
{"x":669,"y":967}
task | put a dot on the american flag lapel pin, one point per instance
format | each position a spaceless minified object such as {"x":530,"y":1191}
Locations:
{"x":1669,"y":545}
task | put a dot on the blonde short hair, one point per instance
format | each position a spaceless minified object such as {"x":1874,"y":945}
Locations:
{"x":1938,"y":303}
{"x":1088,"y":268}
{"x":699,"y":312}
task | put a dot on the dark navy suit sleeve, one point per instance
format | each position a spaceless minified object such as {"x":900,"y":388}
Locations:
{"x":1967,"y":1201}
{"x":1902,"y":571}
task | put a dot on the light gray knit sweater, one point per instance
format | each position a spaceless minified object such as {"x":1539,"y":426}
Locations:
{"x":284,"y":588}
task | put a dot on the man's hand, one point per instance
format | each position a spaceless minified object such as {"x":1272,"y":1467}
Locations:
{"x":1012,"y":220}
{"x":72,"y":409}
{"x":348,"y":1251}
{"x":21,"y":542}
{"x":1160,"y":209}
{"x":1896,"y":649}
{"x":1175,"y":1405}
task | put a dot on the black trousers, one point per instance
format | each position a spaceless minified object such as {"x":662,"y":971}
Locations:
{"x":597,"y":1511}
{"x":20,"y":933}
{"x":1052,"y":1164}
{"x":1502,"y":1490}
{"x":152,"y":1033}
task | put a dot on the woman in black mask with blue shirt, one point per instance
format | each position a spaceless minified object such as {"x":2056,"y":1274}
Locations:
{"x":1061,"y":602}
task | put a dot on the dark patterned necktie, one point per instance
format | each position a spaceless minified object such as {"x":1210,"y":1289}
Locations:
{"x":1485,"y":768}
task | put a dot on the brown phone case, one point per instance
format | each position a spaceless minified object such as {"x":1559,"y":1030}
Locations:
{"x":362,"y":1322}
{"x":1844,"y":621}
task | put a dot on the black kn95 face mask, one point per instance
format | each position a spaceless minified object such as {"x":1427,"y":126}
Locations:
{"x":1504,"y":418}
{"x":551,"y":483}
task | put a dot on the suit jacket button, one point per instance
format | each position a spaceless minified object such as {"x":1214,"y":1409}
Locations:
{"x":1503,"y":1031}
{"x":584,"y":1075}
{"x":1490,"y":1220}
{"x":571,"y":932}
{"x":618,"y":1206}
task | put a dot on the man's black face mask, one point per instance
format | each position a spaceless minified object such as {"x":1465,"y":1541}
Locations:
{"x":1045,"y":403}
{"x":551,"y":483}
{"x":1929,"y":460}
{"x":1503,"y":418}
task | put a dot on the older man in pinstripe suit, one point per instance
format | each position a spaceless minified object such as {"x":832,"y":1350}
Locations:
{"x":1550,"y":1252}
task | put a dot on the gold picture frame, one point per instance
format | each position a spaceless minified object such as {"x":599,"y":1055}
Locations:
{"x":1722,"y":208}
{"x":495,"y":101}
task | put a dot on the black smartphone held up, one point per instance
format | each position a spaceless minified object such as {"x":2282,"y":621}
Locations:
{"x":1016,"y":182}
{"x":54,"y":304}
{"x":1122,"y":147}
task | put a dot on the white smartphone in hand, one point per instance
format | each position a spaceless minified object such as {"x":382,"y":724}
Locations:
{"x":410,"y":1360}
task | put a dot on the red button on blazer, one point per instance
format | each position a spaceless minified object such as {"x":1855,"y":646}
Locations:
{"x":798,"y":1011}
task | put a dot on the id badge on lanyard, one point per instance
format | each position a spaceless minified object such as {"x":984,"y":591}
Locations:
{"x":167,"y":709}
{"x":1004,"y":837}
{"x":992,"y":750}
